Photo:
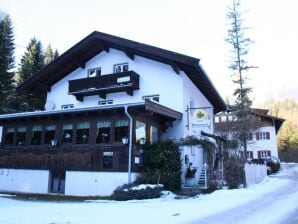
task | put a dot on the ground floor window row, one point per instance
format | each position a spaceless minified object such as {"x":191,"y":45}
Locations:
{"x":102,"y":131}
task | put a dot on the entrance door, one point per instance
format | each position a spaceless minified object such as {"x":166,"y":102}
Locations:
{"x":57,"y":183}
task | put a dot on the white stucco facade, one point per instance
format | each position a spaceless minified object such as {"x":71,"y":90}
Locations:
{"x":270,"y":144}
{"x":25,"y":181}
{"x":155,"y":78}
{"x":83,"y":183}
{"x":175,"y":91}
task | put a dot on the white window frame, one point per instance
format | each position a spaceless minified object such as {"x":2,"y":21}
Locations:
{"x":122,"y":67}
{"x":264,"y":154}
{"x":95,"y":70}
{"x":262,"y":136}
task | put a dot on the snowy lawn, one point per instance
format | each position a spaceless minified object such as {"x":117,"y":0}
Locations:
{"x":163,"y":210}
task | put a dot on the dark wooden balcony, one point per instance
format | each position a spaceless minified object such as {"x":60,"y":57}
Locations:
{"x":101,"y":85}
{"x":84,"y":158}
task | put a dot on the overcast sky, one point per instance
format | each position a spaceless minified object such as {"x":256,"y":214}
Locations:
{"x":193,"y":27}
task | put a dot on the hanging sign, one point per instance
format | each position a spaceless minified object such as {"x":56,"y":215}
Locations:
{"x":200,"y":118}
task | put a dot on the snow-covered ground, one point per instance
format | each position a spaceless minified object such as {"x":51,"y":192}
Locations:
{"x":275,"y":200}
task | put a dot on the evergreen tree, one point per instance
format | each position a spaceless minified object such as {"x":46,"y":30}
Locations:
{"x":240,"y":43}
{"x":31,"y":62}
{"x":50,"y":55}
{"x":6,"y":60}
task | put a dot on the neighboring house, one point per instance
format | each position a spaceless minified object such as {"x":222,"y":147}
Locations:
{"x":262,"y":141}
{"x":104,"y":95}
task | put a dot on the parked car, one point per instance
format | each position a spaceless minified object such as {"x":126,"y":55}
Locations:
{"x":273,"y":165}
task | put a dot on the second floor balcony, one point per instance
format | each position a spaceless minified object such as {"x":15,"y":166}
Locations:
{"x":101,"y":85}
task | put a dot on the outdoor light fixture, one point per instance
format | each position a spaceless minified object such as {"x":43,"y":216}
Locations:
{"x":125,"y":140}
{"x":142,"y":141}
{"x":53,"y":142}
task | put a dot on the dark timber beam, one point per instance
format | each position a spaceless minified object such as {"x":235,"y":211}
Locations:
{"x":78,"y":63}
{"x":103,"y":47}
{"x":129,"y":54}
{"x":102,"y":95}
{"x":176,"y":68}
{"x":79,"y":98}
{"x":130,"y":92}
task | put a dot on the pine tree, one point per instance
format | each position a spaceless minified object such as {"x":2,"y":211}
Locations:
{"x":50,"y":55}
{"x":6,"y":60}
{"x":31,"y":62}
{"x":240,"y":43}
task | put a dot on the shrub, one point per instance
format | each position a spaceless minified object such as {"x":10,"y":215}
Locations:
{"x":162,"y":165}
{"x":128,"y":192}
{"x":233,"y":172}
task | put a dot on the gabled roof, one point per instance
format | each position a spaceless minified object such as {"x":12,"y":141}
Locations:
{"x":97,"y":42}
{"x":263,"y":113}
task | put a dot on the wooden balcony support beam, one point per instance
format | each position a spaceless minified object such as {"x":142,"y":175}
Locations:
{"x":103,"y":47}
{"x":79,"y":98}
{"x":102,"y":95}
{"x":175,"y":68}
{"x":129,"y":54}
{"x":78,"y":63}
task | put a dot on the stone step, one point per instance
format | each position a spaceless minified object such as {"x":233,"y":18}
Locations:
{"x":189,"y":191}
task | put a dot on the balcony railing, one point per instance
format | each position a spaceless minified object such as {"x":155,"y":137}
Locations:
{"x":101,"y":85}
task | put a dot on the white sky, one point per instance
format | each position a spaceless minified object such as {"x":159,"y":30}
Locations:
{"x":193,"y":27}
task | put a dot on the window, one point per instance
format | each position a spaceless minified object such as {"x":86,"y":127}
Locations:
{"x":36,"y":135}
{"x":82,"y":135}
{"x":103,"y":130}
{"x":250,"y":137}
{"x":153,"y":134}
{"x":216,"y":119}
{"x":94,"y":72}
{"x":223,"y":118}
{"x":140,"y":130}
{"x":67,"y":133}
{"x":230,"y":118}
{"x":151,"y":97}
{"x":49,"y":134}
{"x":262,"y":135}
{"x":105,"y":102}
{"x":121,"y":67}
{"x":107,"y":160}
{"x":9,"y":136}
{"x":250,"y":155}
{"x":121,"y":129}
{"x":263,"y":154}
{"x":67,"y":106}
{"x":21,"y":135}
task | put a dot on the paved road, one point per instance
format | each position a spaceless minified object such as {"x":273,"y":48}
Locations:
{"x":272,"y":204}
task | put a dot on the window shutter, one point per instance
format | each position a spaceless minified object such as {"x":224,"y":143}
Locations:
{"x":251,"y":154}
{"x":267,"y":135}
{"x":259,"y":154}
{"x":258,"y":135}
{"x":268,"y":153}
